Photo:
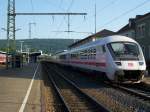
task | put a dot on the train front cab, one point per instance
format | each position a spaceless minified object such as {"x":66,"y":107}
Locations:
{"x":126,"y":62}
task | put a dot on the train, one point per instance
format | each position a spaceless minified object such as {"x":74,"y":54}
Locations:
{"x":2,"y":58}
{"x":120,"y":58}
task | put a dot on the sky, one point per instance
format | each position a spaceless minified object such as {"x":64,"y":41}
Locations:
{"x":111,"y":15}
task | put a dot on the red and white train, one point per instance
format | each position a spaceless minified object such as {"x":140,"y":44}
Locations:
{"x":2,"y":57}
{"x":119,"y":57}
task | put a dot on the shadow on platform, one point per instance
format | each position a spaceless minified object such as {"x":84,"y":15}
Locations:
{"x":26,"y":72}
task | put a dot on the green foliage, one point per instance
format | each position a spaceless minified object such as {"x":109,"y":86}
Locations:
{"x":46,"y":45}
{"x":4,"y":49}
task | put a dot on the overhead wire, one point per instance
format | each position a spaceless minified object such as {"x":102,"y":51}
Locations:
{"x":99,"y":11}
{"x":60,"y":25}
{"x":61,"y":8}
{"x":54,"y":5}
{"x":125,"y":13}
{"x":105,"y":7}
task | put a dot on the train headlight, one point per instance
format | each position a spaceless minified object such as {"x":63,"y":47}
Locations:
{"x":118,"y":63}
{"x":141,"y":63}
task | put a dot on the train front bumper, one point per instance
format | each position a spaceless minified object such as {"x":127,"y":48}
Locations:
{"x":129,"y":75}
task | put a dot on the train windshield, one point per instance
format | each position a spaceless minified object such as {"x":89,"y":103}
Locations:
{"x":124,"y":50}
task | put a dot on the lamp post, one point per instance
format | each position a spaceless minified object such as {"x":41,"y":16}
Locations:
{"x":28,"y":49}
{"x":28,"y":53}
{"x":21,"y":45}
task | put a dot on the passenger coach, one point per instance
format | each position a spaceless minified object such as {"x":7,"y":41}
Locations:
{"x":119,"y":57}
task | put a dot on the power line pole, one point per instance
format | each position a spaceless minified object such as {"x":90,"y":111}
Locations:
{"x":95,"y":18}
{"x":11,"y":17}
{"x":53,"y":14}
{"x":11,"y":43}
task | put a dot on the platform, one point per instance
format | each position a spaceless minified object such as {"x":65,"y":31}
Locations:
{"x":20,"y":90}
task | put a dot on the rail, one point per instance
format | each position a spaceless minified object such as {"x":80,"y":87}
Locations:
{"x":66,"y":108}
{"x":89,"y":99}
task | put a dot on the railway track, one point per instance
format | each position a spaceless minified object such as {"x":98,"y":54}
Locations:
{"x":137,"y":90}
{"x":139,"y":86}
{"x":72,"y":96}
{"x":111,"y":97}
{"x":93,"y":90}
{"x":53,"y":100}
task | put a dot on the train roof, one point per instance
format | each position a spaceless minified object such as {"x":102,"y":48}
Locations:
{"x":115,"y":38}
{"x":105,"y":40}
{"x":101,"y":41}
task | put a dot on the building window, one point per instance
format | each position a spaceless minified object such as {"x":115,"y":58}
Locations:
{"x":141,"y":31}
{"x":133,"y":34}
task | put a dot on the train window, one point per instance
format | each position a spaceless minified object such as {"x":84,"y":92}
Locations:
{"x":82,"y":55}
{"x":86,"y":54}
{"x":62,"y":56}
{"x":94,"y":53}
{"x":124,"y":50}
{"x":73,"y":56}
{"x":78,"y":55}
{"x":89,"y":53}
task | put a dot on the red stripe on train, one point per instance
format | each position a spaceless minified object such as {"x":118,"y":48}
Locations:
{"x":90,"y":63}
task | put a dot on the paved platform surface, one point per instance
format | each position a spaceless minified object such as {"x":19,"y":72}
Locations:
{"x":14,"y":84}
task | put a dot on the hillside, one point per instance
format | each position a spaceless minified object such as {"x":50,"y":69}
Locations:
{"x":46,"y":45}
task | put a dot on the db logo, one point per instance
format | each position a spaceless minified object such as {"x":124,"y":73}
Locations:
{"x":130,"y":64}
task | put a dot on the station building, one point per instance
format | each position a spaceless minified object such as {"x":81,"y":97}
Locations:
{"x":31,"y":57}
{"x":100,"y":34}
{"x":138,"y":28}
